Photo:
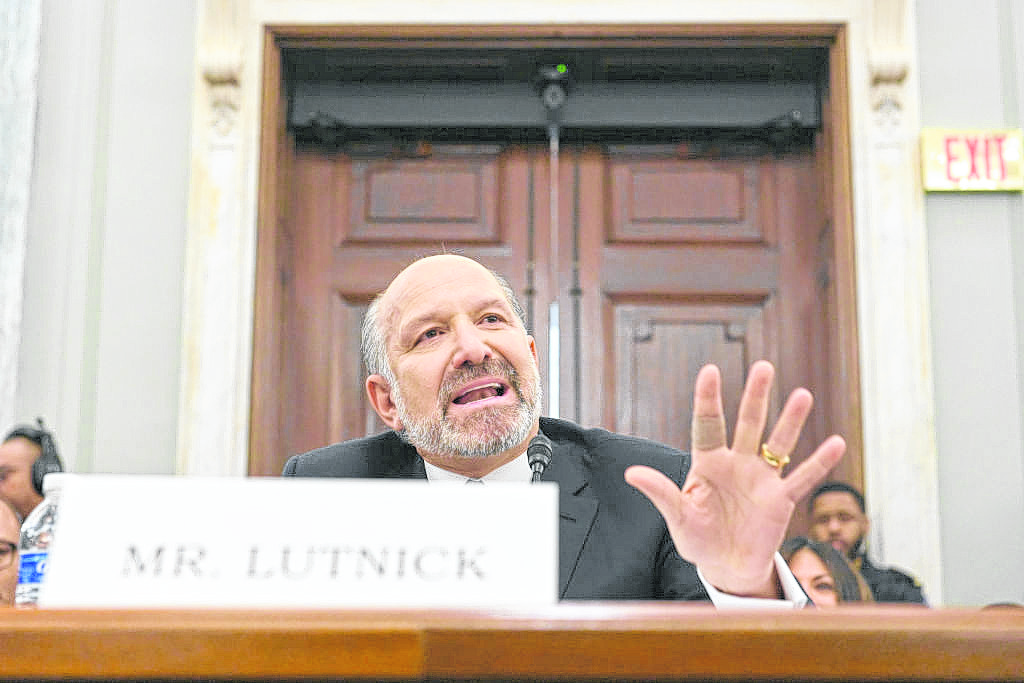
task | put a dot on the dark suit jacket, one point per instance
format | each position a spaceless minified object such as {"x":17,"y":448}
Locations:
{"x":613,"y":543}
{"x":891,"y":585}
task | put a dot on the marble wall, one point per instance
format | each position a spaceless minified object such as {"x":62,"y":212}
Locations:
{"x":19,"y":61}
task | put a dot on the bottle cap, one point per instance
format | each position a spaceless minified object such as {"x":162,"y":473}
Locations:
{"x":54,"y":481}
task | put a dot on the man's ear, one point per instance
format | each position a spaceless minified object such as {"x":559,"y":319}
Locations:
{"x":533,"y":348}
{"x":378,"y":390}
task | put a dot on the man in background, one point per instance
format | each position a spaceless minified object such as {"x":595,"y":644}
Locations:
{"x":10,"y":530}
{"x":838,"y":517}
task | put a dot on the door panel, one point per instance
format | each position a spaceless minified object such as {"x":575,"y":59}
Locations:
{"x":658,"y":351}
{"x":664,"y":200}
{"x":451,"y":197}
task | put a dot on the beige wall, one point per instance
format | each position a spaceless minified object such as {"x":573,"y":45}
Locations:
{"x":101,"y":332}
{"x":972,"y":75}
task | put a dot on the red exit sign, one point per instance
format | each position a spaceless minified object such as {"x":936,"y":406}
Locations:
{"x":971,"y":160}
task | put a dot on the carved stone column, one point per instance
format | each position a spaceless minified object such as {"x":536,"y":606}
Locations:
{"x":217,"y":328}
{"x":901,"y":468}
{"x":19,"y":65}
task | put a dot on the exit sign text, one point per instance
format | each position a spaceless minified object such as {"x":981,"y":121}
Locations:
{"x":971,"y":160}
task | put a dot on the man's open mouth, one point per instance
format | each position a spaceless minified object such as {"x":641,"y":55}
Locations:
{"x":481,"y":393}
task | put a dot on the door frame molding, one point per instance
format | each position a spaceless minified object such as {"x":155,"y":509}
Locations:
{"x":870,"y":120}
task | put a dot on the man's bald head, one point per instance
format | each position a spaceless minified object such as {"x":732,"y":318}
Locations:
{"x":379,"y":318}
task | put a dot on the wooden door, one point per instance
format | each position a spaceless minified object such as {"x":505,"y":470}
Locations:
{"x":683,"y":258}
{"x":664,"y":259}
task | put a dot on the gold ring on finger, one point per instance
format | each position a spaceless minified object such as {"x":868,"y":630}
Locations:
{"x":776,"y":461}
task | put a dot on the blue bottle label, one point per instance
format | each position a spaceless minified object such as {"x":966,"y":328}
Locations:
{"x":32,"y":568}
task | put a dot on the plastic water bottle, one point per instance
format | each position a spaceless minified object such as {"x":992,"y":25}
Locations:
{"x":36,"y":538}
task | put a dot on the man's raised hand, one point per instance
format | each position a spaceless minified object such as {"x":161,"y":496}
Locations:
{"x":731,"y":514}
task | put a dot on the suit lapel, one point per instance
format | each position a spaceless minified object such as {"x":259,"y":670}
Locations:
{"x":576,"y":511}
{"x":400,"y":460}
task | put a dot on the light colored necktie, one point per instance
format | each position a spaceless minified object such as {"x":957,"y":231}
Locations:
{"x":474,"y":481}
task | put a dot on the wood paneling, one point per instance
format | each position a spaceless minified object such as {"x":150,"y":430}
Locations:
{"x":570,"y":641}
{"x":665,"y":202}
{"x":659,"y":349}
{"x":430,"y":201}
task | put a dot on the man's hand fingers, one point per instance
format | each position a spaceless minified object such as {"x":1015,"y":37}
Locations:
{"x":707,"y":431}
{"x":813,"y":471}
{"x":787,"y":430}
{"x":661,"y":490}
{"x":753,"y":412}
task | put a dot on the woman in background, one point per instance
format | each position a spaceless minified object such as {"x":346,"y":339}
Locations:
{"x":824,"y":573}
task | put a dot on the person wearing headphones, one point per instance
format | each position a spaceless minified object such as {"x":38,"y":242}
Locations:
{"x":27,"y":454}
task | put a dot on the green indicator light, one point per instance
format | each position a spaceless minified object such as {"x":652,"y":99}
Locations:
{"x":561,"y":68}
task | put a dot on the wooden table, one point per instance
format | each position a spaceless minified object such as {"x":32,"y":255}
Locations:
{"x":569,"y":641}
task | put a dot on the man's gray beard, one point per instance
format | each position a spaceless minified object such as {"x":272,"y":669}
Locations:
{"x":484,"y":434}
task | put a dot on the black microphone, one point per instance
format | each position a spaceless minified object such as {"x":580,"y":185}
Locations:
{"x":538,"y":454}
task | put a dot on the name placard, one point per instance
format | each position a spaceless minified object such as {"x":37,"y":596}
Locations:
{"x":166,"y":541}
